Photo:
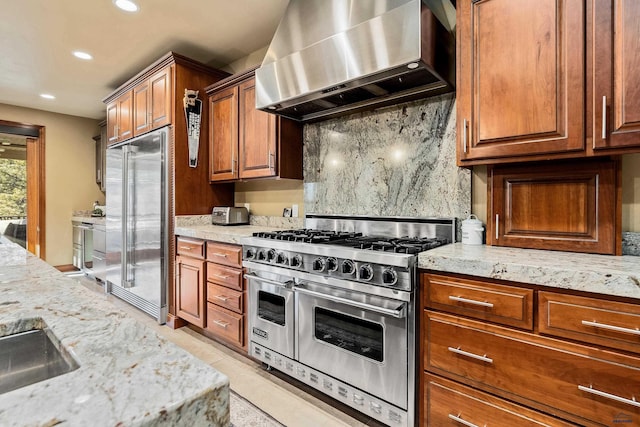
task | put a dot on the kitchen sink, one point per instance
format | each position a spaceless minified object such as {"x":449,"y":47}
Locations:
{"x":30,"y":357}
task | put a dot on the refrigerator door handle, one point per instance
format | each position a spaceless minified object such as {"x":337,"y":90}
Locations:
{"x":126,"y":221}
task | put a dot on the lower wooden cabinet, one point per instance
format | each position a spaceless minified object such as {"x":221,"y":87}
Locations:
{"x":448,"y":403}
{"x":210,"y":290}
{"x":190,"y":290}
{"x":483,"y":371}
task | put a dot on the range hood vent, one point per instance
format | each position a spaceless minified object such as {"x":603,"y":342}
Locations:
{"x":333,"y":57}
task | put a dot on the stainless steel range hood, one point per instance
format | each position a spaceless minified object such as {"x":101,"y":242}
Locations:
{"x":332,"y":57}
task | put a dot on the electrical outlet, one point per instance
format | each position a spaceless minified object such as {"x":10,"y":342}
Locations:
{"x":294,"y":211}
{"x":248,"y":206}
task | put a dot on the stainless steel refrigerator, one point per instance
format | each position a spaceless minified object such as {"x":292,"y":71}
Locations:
{"x":137,"y":223}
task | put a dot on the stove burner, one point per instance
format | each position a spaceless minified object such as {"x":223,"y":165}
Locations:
{"x":307,"y":235}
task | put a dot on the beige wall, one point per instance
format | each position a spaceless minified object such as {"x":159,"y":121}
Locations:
{"x":269,"y":197}
{"x":630,"y":192}
{"x":69,"y":173}
{"x":249,"y":61}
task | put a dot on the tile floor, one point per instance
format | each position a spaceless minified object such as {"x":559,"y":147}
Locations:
{"x":284,"y":402}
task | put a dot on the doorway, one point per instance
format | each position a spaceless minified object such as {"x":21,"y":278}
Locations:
{"x":22,"y":181}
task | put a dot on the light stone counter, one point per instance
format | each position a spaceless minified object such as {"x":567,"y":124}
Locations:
{"x":128,"y":375}
{"x":219,"y":233}
{"x":603,"y":274}
{"x":97,"y":220}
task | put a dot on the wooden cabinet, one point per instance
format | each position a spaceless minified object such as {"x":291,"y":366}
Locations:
{"x":153,"y":99}
{"x":226,"y":295}
{"x":101,"y":155}
{"x":474,"y":369}
{"x":560,"y":206}
{"x":120,"y":118}
{"x":520,"y":78}
{"x":190,"y":288}
{"x":542,"y":79}
{"x":613,"y":70}
{"x":246,"y":142}
{"x":152,"y":102}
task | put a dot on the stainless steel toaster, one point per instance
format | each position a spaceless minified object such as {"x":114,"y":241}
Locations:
{"x":225,"y":215}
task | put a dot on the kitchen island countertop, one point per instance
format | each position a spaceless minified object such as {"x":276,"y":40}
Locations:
{"x":127,"y":374}
{"x":602,"y":274}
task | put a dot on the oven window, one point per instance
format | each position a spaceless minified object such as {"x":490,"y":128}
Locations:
{"x":350,"y":333}
{"x":271,"y":307}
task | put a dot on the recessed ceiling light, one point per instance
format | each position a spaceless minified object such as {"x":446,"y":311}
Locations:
{"x":47,"y":96}
{"x":126,"y":5}
{"x":2,"y":150}
{"x":6,"y":143}
{"x":82,"y":55}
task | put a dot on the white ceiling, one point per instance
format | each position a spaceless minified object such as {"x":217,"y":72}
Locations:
{"x":38,"y":36}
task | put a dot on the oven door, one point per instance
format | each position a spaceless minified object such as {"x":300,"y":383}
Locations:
{"x":357,"y":338}
{"x":271,"y":311}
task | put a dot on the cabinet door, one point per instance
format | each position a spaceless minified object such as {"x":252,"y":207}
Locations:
{"x":615,"y":67}
{"x":257,"y":136}
{"x":141,"y":122}
{"x":223,"y":135}
{"x":112,"y":122}
{"x":567,"y":206}
{"x":160,"y":99}
{"x":520,"y":78}
{"x":190,"y":290}
{"x":125,"y":116}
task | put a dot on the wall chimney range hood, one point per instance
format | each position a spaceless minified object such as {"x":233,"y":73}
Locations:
{"x":334,"y":57}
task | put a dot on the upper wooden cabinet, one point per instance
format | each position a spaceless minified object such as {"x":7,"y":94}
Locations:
{"x":614,"y":74}
{"x":120,"y":118}
{"x":246,"y":142}
{"x":547,"y":79}
{"x":152,"y":102}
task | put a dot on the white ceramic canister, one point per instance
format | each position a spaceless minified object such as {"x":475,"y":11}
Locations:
{"x":472,"y":231}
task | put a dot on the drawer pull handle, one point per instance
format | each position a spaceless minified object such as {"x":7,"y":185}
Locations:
{"x":220,"y":276}
{"x":186,"y":248}
{"x":221,"y":298}
{"x":219,"y":254}
{"x":611,"y":327}
{"x":221,"y":323}
{"x":471,"y":355}
{"x":463,"y":422}
{"x":592,"y":390}
{"x":470,"y":301}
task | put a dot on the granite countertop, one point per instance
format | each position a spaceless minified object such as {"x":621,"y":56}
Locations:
{"x":603,"y":274}
{"x":127,"y":374}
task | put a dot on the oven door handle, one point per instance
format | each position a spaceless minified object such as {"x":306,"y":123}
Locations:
{"x":398,"y":313}
{"x":252,"y":276}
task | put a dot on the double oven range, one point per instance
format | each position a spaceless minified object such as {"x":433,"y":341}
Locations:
{"x":334,"y":306}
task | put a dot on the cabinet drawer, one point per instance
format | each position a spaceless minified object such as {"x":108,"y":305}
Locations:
{"x":221,"y":253}
{"x":608,"y":323}
{"x":190,"y":247}
{"x":502,"y":304}
{"x":580,"y":383}
{"x":448,"y":403}
{"x":224,"y":276}
{"x":225,"y":323}
{"x":225,"y":297}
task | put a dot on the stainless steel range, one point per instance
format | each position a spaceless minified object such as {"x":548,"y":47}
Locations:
{"x":333,"y":305}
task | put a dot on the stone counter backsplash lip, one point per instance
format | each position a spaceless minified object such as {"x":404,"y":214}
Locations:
{"x":602,"y":274}
{"x":128,"y":375}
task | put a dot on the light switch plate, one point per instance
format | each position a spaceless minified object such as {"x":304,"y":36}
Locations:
{"x":294,"y":211}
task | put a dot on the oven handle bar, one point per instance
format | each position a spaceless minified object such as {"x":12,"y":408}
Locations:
{"x":398,"y":313}
{"x":269,"y":281}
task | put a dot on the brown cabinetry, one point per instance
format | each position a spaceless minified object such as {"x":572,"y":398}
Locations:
{"x":246,"y":142}
{"x":559,"y":206}
{"x":489,"y":366}
{"x":101,"y":155}
{"x":152,"y":99}
{"x":547,"y":79}
{"x":190,"y":281}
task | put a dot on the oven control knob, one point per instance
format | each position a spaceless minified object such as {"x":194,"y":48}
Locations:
{"x":389,"y":276}
{"x":332,"y":264}
{"x":365,"y":272}
{"x":262,"y":255}
{"x":318,"y":264}
{"x":296,"y":261}
{"x":271,"y":255}
{"x":348,"y":267}
{"x":250,"y":254}
{"x":281,"y":258}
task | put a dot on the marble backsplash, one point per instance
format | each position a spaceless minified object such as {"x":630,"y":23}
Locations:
{"x":397,"y":161}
